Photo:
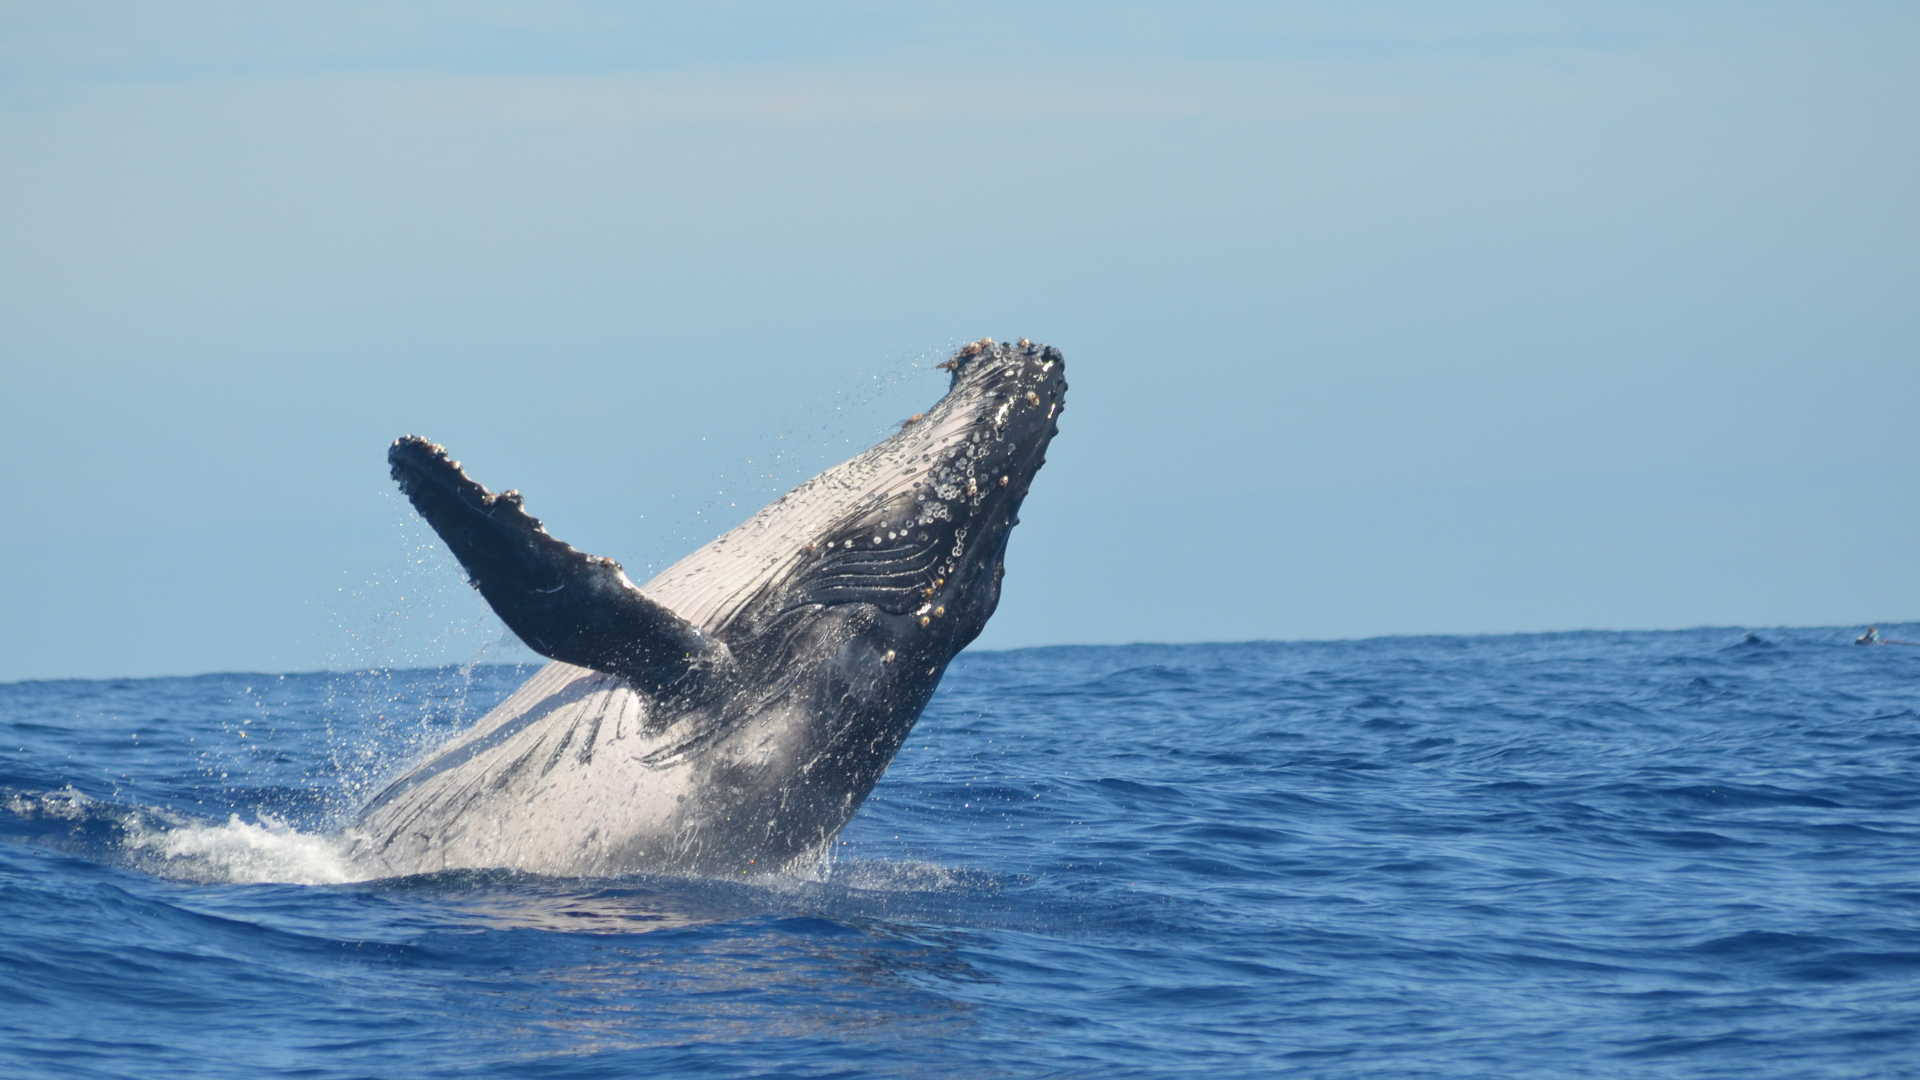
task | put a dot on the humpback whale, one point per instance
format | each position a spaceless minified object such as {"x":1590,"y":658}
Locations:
{"x":732,"y":713}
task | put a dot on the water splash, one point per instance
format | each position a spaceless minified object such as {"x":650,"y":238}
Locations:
{"x":240,"y":853}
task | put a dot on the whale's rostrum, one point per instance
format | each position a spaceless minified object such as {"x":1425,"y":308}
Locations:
{"x":732,"y":713}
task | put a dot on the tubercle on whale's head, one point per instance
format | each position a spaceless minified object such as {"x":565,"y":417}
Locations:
{"x":988,"y":355}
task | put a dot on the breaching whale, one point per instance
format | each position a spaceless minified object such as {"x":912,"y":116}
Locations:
{"x":734,"y":712}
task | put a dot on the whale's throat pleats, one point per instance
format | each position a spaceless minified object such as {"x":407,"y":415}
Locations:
{"x":875,"y":563}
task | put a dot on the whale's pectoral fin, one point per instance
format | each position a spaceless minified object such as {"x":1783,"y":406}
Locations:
{"x":565,"y":604}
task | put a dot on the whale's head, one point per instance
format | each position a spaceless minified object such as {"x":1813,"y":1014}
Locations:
{"x":923,"y":535}
{"x":979,"y":462}
{"x":907,"y":540}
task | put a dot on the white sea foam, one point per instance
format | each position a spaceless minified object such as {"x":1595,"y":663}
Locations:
{"x":242,"y":853}
{"x":269,"y":851}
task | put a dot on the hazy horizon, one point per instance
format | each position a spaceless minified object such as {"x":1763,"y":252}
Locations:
{"x":519,"y":656}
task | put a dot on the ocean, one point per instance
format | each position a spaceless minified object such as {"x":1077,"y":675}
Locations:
{"x":1674,"y":854}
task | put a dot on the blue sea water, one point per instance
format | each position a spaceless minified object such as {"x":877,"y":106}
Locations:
{"x":1590,"y":854}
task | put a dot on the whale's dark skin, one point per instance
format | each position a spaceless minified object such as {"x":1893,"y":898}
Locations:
{"x":734,"y":713}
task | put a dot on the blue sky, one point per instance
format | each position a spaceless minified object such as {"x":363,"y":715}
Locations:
{"x":1380,"y":319}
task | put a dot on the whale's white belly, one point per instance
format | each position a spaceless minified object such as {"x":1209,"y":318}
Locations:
{"x":551,"y":781}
